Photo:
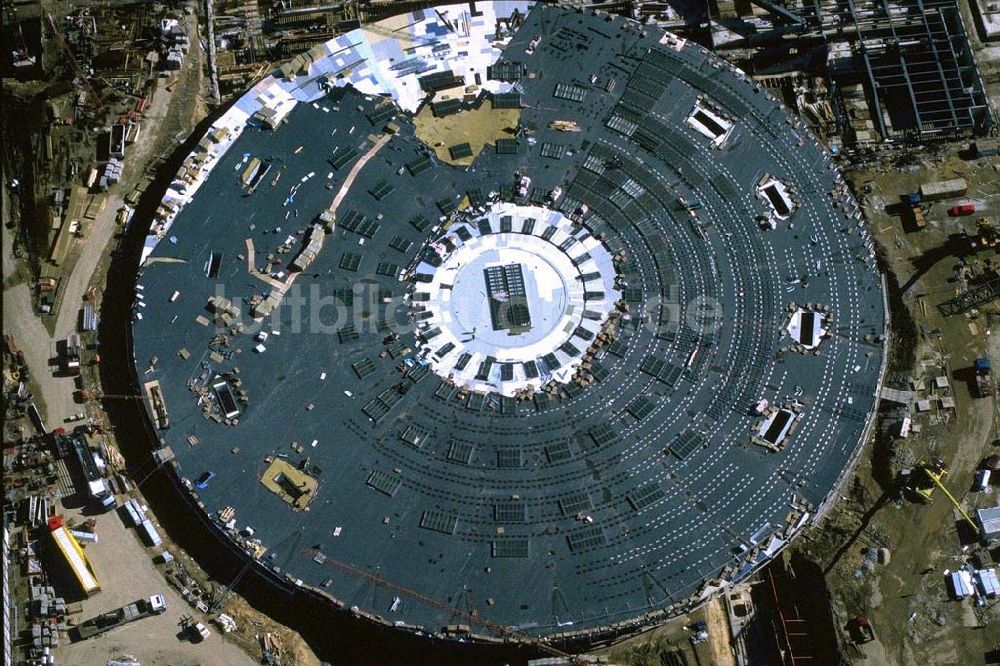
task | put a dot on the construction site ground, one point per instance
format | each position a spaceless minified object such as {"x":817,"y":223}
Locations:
{"x":671,"y":643}
{"x":123,"y":564}
{"x":907,"y":599}
{"x":127,"y":572}
{"x":478,"y":127}
{"x":172,"y":115}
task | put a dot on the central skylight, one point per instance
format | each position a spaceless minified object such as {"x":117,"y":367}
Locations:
{"x":508,"y":299}
{"x":515,"y":299}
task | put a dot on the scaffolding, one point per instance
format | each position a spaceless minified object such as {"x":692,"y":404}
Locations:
{"x":911,"y":57}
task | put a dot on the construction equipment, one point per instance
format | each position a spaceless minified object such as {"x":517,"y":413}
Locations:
{"x":984,"y":380}
{"x":860,"y":630}
{"x":193,"y":629}
{"x":911,"y":207}
{"x":934,"y":472}
{"x":77,"y":70}
{"x":470,"y":616}
{"x":136,"y":610}
{"x":986,"y":235}
{"x":270,"y":646}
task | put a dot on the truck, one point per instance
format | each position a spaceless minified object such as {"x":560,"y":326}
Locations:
{"x":984,"y":378}
{"x":71,"y":355}
{"x":96,"y":488}
{"x":689,"y":206}
{"x":201,"y":631}
{"x":911,"y":208}
{"x":196,"y":631}
{"x":119,"y":617}
{"x":962,"y":209}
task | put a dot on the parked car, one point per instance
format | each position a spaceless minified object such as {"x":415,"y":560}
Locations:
{"x":982,"y":482}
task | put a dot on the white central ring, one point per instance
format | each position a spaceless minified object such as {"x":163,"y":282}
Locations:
{"x":569,"y":282}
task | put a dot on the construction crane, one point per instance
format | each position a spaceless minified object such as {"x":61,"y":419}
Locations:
{"x":97,"y":396}
{"x":400,"y":34}
{"x":77,"y":70}
{"x":935,"y":471}
{"x":470,"y":616}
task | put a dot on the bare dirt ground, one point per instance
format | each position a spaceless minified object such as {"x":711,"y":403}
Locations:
{"x":159,"y":640}
{"x":477,"y":127}
{"x":672,"y":641}
{"x":126,"y":571}
{"x":718,"y":644}
{"x":907,"y":600}
{"x":295,"y":651}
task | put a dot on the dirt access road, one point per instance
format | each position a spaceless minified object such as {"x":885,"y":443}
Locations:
{"x":123,"y":565}
{"x":171,"y":113}
{"x":672,"y":641}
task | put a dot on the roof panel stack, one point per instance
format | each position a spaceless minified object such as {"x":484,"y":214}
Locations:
{"x":438,"y":81}
{"x":510,"y":100}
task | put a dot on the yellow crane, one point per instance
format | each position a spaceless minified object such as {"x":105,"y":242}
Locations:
{"x":935,"y":472}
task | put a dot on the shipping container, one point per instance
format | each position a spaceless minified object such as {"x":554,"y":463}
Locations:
{"x":134,"y":516}
{"x":77,"y":561}
{"x":942,"y":189}
{"x":140,"y":515}
{"x":960,"y":586}
{"x":149,"y":532}
{"x":989,"y":585}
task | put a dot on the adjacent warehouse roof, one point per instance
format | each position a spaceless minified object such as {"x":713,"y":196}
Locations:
{"x":989,"y":522}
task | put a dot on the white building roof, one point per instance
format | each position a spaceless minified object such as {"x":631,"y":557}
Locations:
{"x":989,"y":521}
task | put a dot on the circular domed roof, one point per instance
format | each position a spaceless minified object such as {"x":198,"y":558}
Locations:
{"x":540,"y":313}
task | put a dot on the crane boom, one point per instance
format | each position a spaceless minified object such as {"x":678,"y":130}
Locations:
{"x":96,"y":396}
{"x":936,"y":478}
{"x":77,"y":70}
{"x":470,"y":616}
